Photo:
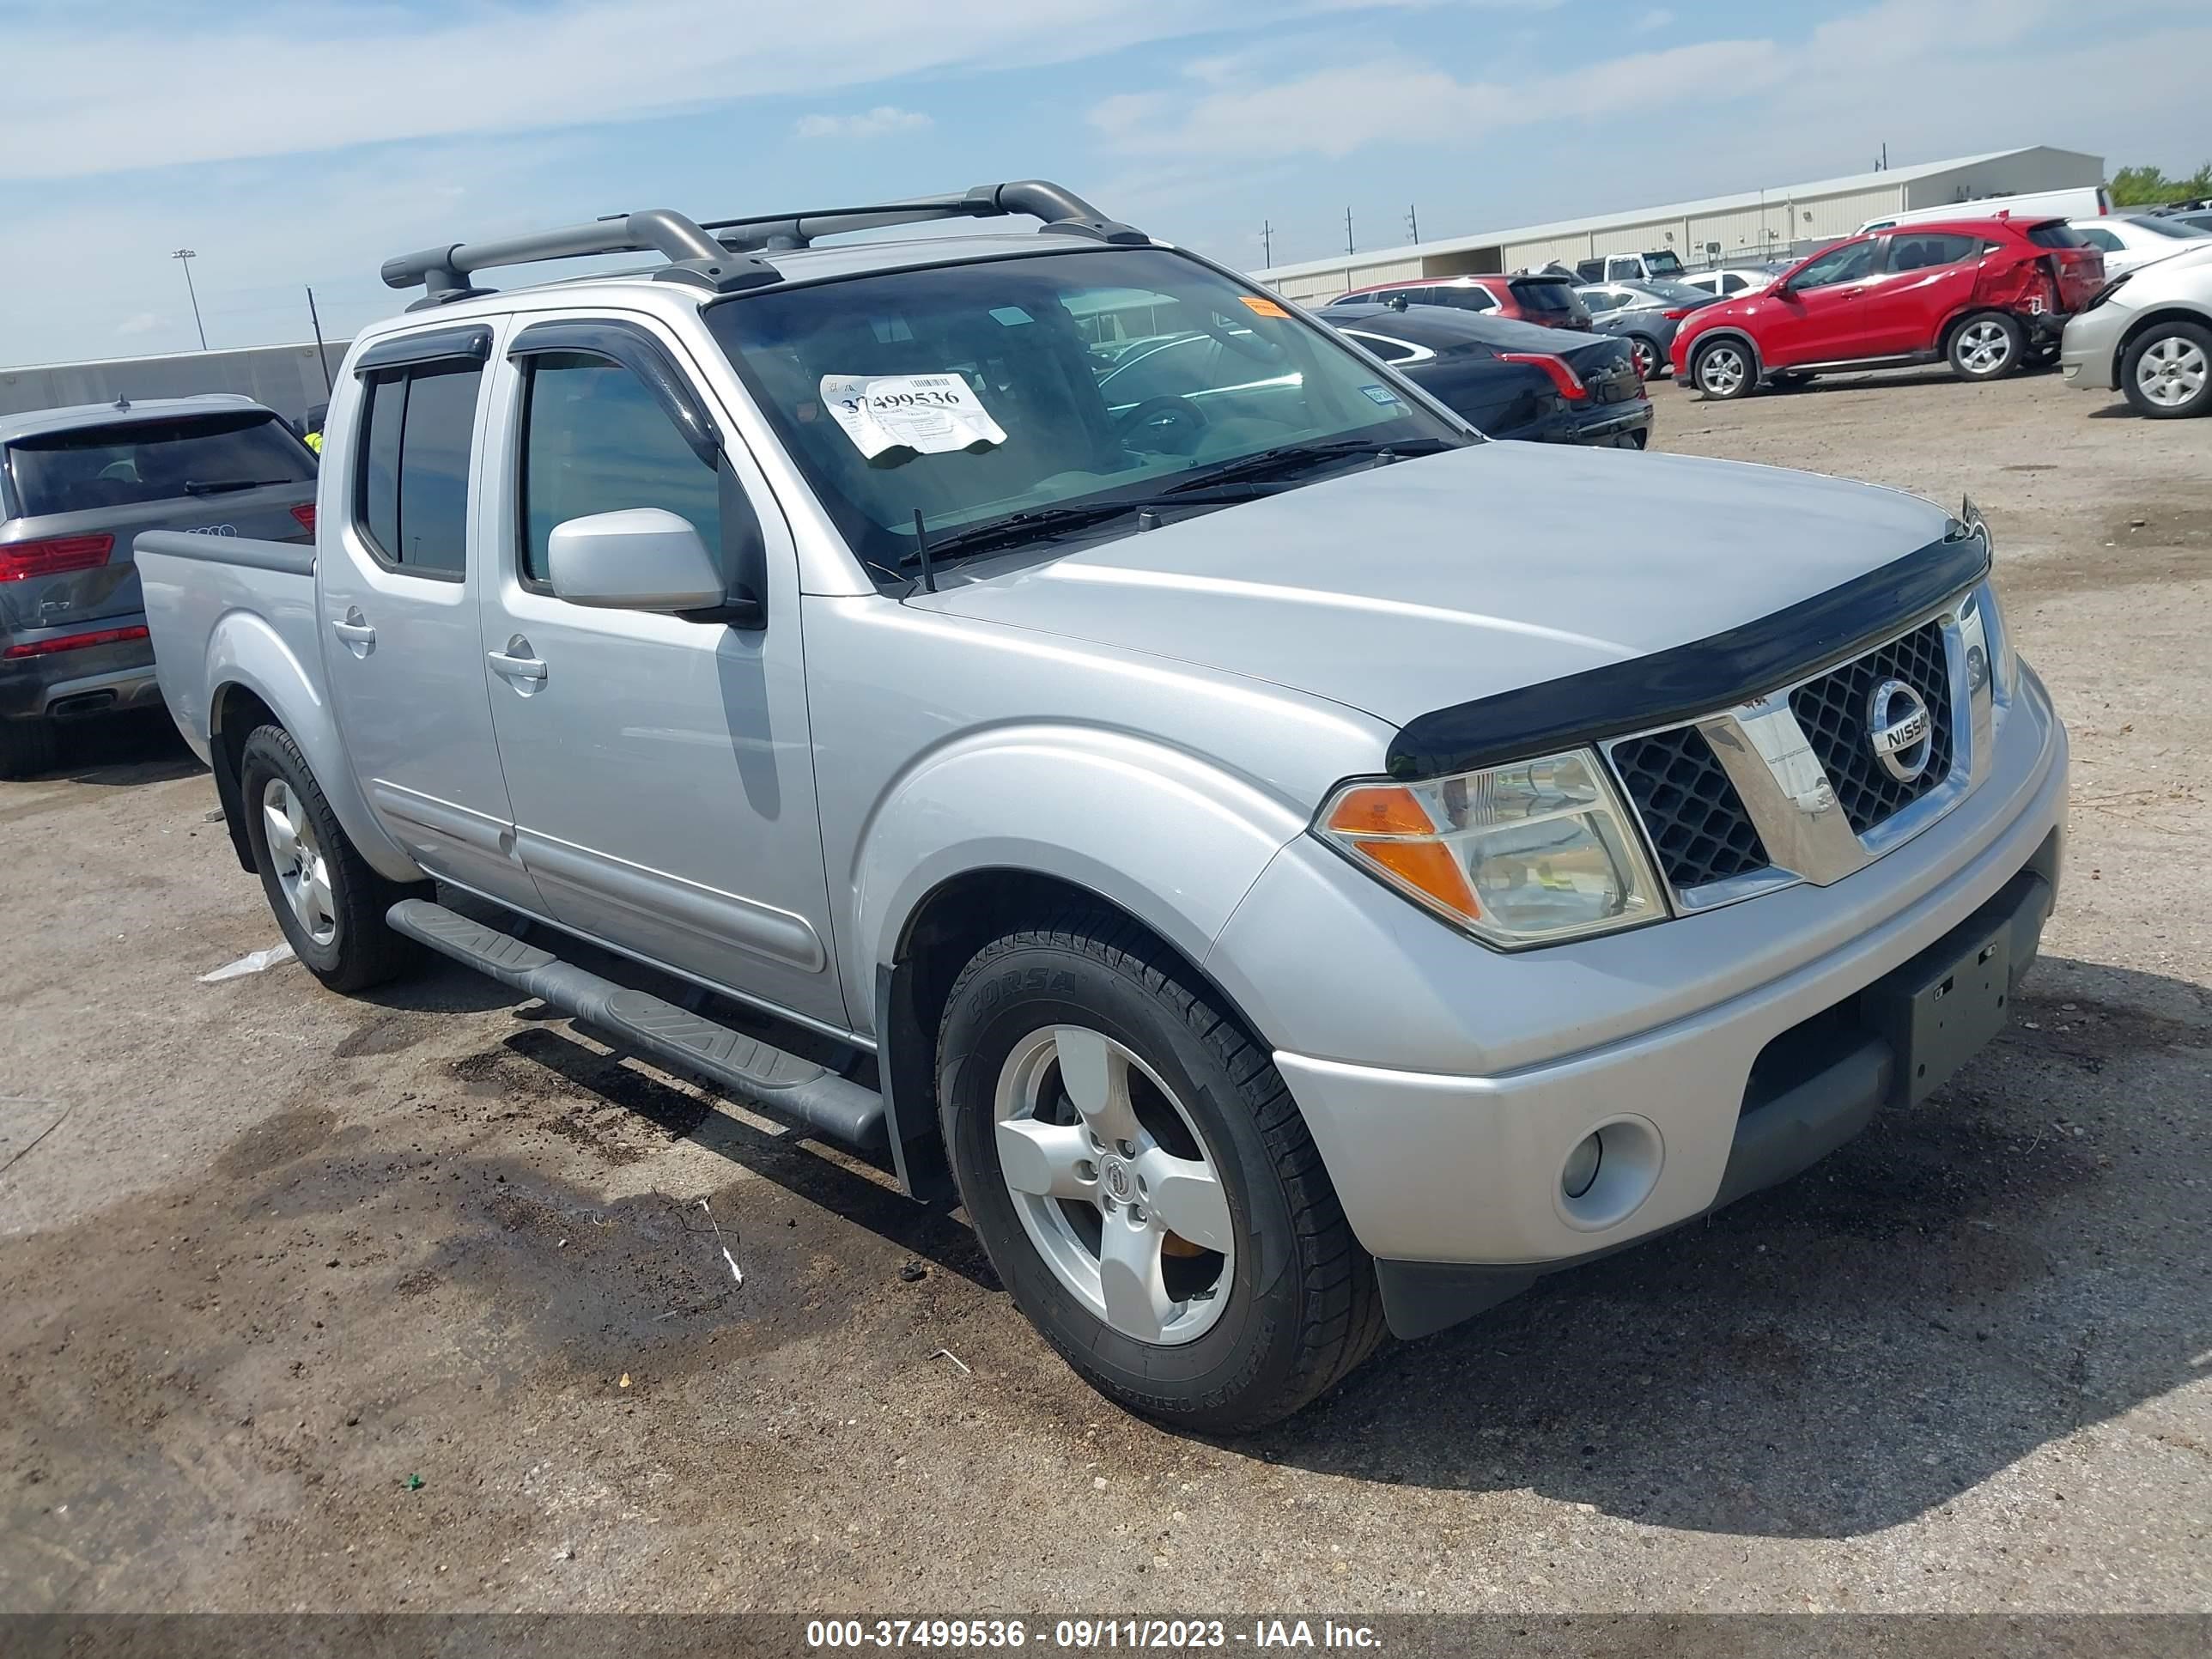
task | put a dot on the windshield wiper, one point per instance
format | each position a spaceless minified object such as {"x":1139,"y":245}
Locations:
{"x":216,"y":486}
{"x":1289,"y":458}
{"x":1040,"y":522}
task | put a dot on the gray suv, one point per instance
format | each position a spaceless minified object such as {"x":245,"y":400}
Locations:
{"x":76,"y":486}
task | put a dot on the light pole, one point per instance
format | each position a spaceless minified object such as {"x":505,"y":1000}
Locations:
{"x":188,"y":256}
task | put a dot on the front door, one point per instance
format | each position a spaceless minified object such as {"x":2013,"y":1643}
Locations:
{"x":1821,"y":319}
{"x":662,"y":769}
{"x":398,"y":612}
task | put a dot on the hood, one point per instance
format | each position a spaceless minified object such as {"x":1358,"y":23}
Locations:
{"x":1401,"y":589}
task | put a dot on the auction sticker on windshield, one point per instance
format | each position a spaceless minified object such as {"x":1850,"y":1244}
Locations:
{"x":892,"y":418}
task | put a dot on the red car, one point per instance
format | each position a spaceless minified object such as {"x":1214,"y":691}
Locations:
{"x":1547,"y":300}
{"x":1984,"y":295}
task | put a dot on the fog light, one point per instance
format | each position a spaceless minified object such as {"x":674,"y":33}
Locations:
{"x":1581,"y":1173}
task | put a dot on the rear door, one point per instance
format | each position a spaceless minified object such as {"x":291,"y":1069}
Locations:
{"x":397,"y":604}
{"x":662,"y":769}
{"x":1926,"y":278}
{"x":75,"y":501}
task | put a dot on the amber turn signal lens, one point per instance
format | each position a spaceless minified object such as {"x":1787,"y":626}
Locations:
{"x":1427,"y":866}
{"x":1380,"y":810}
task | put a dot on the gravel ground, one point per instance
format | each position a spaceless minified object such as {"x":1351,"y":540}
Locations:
{"x":281,"y":1255}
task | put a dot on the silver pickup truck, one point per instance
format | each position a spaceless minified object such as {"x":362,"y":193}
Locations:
{"x":1288,"y":863}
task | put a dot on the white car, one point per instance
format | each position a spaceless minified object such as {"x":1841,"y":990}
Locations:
{"x":1727,"y":283}
{"x":2131,"y":241}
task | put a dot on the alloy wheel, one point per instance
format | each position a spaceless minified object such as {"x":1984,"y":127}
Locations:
{"x":1985,"y":346}
{"x":1721,"y":371}
{"x":1114,"y":1184}
{"x":2173,"y":371}
{"x":302,"y":872}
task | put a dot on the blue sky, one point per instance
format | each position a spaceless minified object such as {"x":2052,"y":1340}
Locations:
{"x":133,"y":127}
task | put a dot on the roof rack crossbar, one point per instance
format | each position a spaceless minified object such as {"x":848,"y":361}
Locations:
{"x":721,"y":255}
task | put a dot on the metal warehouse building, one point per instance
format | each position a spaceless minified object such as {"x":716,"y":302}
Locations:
{"x":289,"y":378}
{"x":1762,"y":224}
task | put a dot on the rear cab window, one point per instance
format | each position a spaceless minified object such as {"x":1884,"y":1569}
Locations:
{"x":411,"y":481}
{"x":123,"y":464}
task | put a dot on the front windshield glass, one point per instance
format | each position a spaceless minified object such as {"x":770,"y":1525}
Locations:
{"x":974,"y":393}
{"x":1665,"y":262}
{"x":2164,"y":228}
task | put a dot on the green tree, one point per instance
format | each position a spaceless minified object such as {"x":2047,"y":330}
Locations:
{"x":2149,"y":187}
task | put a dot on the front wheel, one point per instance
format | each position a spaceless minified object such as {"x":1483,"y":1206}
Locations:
{"x":1143,"y":1183}
{"x":2167,"y":372}
{"x":326,"y":898}
{"x":1724,"y":370}
{"x":1986,"y":346}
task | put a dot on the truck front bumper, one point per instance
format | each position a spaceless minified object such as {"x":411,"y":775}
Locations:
{"x":1713,"y":1054}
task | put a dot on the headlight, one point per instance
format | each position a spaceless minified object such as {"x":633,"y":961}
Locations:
{"x":1522,"y":854}
{"x":1989,"y":646}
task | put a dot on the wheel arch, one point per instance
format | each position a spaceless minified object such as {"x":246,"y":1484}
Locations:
{"x":1732,"y":332}
{"x":254,"y":678}
{"x":2168,"y":312}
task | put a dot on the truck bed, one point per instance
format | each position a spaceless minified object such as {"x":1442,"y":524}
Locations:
{"x":210,"y":599}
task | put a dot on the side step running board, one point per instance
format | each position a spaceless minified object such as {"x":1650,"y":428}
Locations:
{"x":834,"y":1107}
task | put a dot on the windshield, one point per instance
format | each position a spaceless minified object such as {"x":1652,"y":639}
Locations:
{"x":2057,"y":234}
{"x":119,"y":465}
{"x":1665,"y":262}
{"x":976,"y":393}
{"x":2167,"y":228}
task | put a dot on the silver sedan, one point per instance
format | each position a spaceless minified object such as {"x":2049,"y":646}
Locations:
{"x":2147,"y":334}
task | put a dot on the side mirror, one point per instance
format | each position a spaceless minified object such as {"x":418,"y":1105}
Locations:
{"x":644,"y":558}
{"x":1779,"y":288}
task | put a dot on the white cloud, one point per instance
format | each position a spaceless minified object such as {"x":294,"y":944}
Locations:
{"x":1657,"y":18}
{"x":881,"y":122}
{"x":196,"y":81}
{"x":143,"y":322}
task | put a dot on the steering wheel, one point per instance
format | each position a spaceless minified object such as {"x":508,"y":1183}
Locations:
{"x":1166,"y":426}
{"x":1242,"y":340}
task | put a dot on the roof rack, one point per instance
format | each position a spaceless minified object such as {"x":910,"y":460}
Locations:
{"x":722,"y":255}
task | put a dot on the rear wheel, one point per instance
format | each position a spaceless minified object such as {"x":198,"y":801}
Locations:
{"x":329,"y":901}
{"x":1987,"y":346}
{"x":1648,"y":362}
{"x":1724,"y":370}
{"x":1142,"y":1181}
{"x":26,"y":747}
{"x":2167,"y":372}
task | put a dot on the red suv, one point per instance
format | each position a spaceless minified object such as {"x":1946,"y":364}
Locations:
{"x":1984,"y":294}
{"x":1547,"y":300}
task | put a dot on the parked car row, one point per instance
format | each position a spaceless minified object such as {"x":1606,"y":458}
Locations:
{"x":1042,"y":715}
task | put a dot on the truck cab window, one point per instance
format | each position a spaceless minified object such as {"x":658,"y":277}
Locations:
{"x":411,"y":501}
{"x":595,"y":441}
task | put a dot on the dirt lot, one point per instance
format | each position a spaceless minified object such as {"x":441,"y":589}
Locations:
{"x":281,"y":1254}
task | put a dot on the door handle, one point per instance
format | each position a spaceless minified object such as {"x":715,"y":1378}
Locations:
{"x":516,"y":662}
{"x":353,"y":628}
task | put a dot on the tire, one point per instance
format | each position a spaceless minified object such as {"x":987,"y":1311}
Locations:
{"x":2167,"y":372}
{"x":1271,"y":1303}
{"x":1724,"y":370}
{"x":27,"y":747}
{"x":1986,"y":346}
{"x":329,"y":902}
{"x":1649,"y":358}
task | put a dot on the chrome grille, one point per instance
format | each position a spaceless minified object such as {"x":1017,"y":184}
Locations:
{"x":1788,"y":787}
{"x":1690,"y":809}
{"x":1832,"y":709}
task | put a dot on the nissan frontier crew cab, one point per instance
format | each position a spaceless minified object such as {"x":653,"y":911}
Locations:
{"x":1289,"y":864}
